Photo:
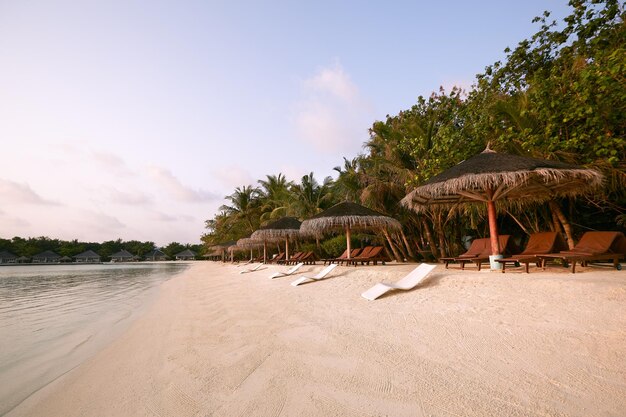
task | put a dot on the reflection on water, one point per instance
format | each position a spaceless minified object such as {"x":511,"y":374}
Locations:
{"x":54,"y":317}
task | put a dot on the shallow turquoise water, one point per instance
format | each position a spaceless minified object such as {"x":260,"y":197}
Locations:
{"x":54,"y":317}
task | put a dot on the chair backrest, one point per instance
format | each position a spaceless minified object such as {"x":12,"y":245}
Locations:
{"x":344,"y":255}
{"x":256,"y":267}
{"x":595,"y":243}
{"x":544,"y":242}
{"x":296,"y":256}
{"x":364,"y":253}
{"x":376,"y":250}
{"x":355,"y":252}
{"x":325,"y":271}
{"x":416,"y":275}
{"x":477,"y":247}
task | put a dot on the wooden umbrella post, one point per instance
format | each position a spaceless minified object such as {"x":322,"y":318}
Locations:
{"x":264,"y":251}
{"x":287,"y":249}
{"x":493,"y":227}
{"x":348,"y":240}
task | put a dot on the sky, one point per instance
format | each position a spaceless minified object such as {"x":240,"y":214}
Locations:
{"x":134,"y":119}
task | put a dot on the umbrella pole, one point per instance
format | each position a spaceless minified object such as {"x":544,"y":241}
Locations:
{"x":286,"y":249}
{"x":348,"y":241}
{"x":493,"y":227}
{"x":264,"y":252}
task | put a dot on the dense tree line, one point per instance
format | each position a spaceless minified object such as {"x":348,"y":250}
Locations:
{"x":560,"y":95}
{"x":32,"y":246}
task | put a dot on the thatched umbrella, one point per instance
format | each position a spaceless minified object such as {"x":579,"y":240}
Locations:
{"x":223,"y":247}
{"x":347,"y":216}
{"x":284,"y":228}
{"x":246,"y":243}
{"x":491,"y":177}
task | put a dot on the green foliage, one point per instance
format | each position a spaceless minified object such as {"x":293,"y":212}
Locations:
{"x":559,"y":95}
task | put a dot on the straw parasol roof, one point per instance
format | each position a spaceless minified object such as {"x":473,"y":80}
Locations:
{"x":284,"y":228}
{"x":347,"y":216}
{"x":491,"y":177}
{"x":248,"y":243}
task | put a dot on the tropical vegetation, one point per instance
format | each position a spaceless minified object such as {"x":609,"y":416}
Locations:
{"x":559,"y":95}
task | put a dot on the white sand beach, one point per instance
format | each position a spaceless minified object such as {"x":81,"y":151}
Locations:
{"x":220,"y":343}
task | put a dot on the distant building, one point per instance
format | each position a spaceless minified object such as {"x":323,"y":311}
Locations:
{"x":122,"y":256}
{"x":186,"y":255}
{"x":7,"y":257}
{"x":87,"y":257}
{"x":155,"y":255}
{"x":46,"y":257}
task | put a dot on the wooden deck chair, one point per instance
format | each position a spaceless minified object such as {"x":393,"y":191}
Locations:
{"x":309,"y":258}
{"x":292,"y":259}
{"x":407,"y":283}
{"x":256,"y":268}
{"x":291,"y":271}
{"x":506,"y":248}
{"x":538,"y":244}
{"x":593,"y":246}
{"x":321,"y":275}
{"x":477,"y":248}
{"x":344,"y":256}
{"x":375,"y":254}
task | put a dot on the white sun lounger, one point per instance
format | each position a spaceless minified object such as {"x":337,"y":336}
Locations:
{"x":256,"y":268}
{"x":408,"y":282}
{"x":292,"y":270}
{"x":321,"y":275}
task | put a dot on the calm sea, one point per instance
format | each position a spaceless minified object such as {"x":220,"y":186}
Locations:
{"x":54,"y":317}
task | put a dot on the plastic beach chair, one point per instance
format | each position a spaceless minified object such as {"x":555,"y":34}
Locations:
{"x":256,"y":268}
{"x":408,"y":282}
{"x":291,"y":270}
{"x":321,"y":275}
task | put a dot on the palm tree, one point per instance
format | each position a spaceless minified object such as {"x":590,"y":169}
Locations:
{"x":310,"y":197}
{"x":244,"y":207}
{"x":275,"y":196}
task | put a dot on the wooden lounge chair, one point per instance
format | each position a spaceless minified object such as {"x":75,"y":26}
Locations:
{"x":375,"y":255}
{"x":256,"y":268}
{"x":483,"y":251}
{"x":291,"y":271}
{"x":476,"y":249}
{"x":292,"y":260}
{"x":538,"y":244}
{"x":277,"y":258}
{"x":593,"y":246}
{"x":321,"y":275}
{"x":408,"y":282}
{"x":343,"y":257}
{"x":309,"y":258}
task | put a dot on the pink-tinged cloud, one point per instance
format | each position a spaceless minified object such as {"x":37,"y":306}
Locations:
{"x":131,"y":198}
{"x":111,"y":162}
{"x":177,"y":190}
{"x":332,"y":116}
{"x":233,"y":176}
{"x":12,"y":192}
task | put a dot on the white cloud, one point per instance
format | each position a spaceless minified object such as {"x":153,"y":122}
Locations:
{"x":332,"y":115}
{"x":177,"y":190}
{"x":111,"y":162}
{"x":131,"y":198}
{"x":15,"y":193}
{"x":233,"y":176}
{"x":334,"y":81}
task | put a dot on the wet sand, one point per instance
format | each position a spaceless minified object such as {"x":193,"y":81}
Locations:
{"x":221,"y":343}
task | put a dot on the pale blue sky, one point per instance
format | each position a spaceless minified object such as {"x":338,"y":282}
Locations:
{"x":134,"y":119}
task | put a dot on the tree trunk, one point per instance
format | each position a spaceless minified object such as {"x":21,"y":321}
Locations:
{"x":441,"y":236}
{"x":393,"y":248}
{"x":400,"y":247}
{"x":408,"y":246}
{"x":554,"y":207}
{"x":429,"y":237}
